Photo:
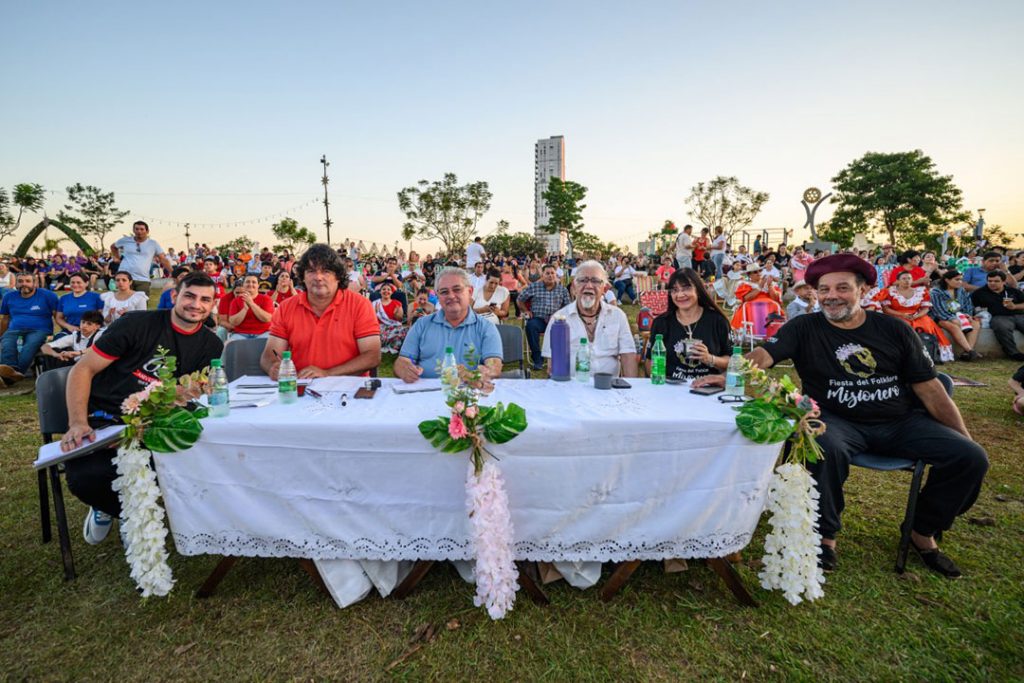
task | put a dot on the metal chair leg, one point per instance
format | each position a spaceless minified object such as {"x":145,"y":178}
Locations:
{"x":62,"y":525}
{"x":44,"y":506}
{"x":908,"y":519}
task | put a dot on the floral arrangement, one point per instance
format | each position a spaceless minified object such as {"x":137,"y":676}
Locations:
{"x":779,"y":412}
{"x":470,"y":426}
{"x":669,"y":228}
{"x":156,"y":420}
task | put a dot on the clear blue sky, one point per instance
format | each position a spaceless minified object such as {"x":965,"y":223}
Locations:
{"x":214,"y":112}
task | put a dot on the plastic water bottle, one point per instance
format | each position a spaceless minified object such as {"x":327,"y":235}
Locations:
{"x":560,"y":351}
{"x":220,"y":404}
{"x":449,"y":372}
{"x":658,"y":360}
{"x":735,"y":382}
{"x":583,"y":361}
{"x":287,"y":380}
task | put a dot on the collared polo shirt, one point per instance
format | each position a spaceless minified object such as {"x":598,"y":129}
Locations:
{"x":329,"y":339}
{"x":612,"y":337}
{"x":424,"y":344}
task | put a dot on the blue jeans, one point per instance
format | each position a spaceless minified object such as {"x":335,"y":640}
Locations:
{"x":534,"y":328}
{"x":717,"y":260}
{"x":30,"y":340}
{"x":624,"y":287}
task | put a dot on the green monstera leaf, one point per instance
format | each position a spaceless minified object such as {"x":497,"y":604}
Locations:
{"x":501,"y":423}
{"x":172,"y":432}
{"x":436,"y":432}
{"x":763,"y":422}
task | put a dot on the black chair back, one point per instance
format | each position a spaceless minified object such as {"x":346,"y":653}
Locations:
{"x":242,"y":357}
{"x":512,"y":350}
{"x":51,"y":402}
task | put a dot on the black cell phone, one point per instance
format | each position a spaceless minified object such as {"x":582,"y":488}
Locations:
{"x":619,"y":383}
{"x":707,"y":391}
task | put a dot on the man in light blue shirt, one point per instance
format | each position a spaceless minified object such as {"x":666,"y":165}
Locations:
{"x":453,"y":324}
{"x":137,"y":254}
{"x":977,"y":276}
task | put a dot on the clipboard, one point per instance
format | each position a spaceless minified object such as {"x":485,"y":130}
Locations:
{"x":51,"y":454}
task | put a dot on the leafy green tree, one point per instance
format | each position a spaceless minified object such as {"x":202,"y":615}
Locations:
{"x":291,"y":236}
{"x":901,"y":194}
{"x":515,"y":244}
{"x":565,"y":211}
{"x":444,"y":210}
{"x":27,"y":197}
{"x":238,"y":244}
{"x":95,"y":211}
{"x":722,"y":201}
{"x":7,"y":225}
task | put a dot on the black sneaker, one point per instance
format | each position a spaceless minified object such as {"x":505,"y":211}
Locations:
{"x":938,"y":562}
{"x":828,"y":559}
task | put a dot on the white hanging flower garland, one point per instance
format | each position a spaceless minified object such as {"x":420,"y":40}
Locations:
{"x":491,"y":529}
{"x":142,"y":523}
{"x":792,"y":547}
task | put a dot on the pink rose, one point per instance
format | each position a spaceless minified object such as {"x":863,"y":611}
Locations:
{"x":471,"y":412}
{"x":456,"y":427}
{"x":459,"y":407}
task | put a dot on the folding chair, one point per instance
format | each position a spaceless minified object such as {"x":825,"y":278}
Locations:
{"x":242,"y":357}
{"x":883,"y":463}
{"x":53,"y":419}
{"x":512,"y":339}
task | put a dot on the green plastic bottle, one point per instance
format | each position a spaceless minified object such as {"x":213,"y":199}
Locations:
{"x":658,"y":360}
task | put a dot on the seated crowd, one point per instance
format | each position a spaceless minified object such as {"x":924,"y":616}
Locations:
{"x":851,"y":335}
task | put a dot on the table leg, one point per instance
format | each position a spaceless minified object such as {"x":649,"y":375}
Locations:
{"x":216,"y":576}
{"x":618,"y":579}
{"x":732,"y":579}
{"x":529,"y":579}
{"x":419,"y":570}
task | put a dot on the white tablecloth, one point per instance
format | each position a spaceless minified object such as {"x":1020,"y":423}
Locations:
{"x":647,"y":473}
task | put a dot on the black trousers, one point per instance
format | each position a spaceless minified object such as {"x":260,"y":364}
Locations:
{"x":958,"y":466}
{"x":89,"y":479}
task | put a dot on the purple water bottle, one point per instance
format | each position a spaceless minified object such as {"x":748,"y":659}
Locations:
{"x":560,"y":350}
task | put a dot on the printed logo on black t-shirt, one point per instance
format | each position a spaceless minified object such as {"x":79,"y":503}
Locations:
{"x":857,"y":360}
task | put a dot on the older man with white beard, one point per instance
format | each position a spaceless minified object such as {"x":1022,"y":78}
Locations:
{"x":605,"y":327}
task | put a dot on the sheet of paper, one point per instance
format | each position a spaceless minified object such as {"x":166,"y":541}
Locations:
{"x":51,"y":454}
{"x":346,"y":384}
{"x":417,"y":387}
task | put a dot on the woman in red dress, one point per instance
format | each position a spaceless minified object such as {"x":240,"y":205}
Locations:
{"x":911,"y":304}
{"x":751,"y":293}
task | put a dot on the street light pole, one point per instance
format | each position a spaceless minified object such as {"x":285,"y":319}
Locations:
{"x":188,"y":241}
{"x":327,"y":204}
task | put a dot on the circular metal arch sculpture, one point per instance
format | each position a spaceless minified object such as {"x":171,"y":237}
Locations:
{"x":22,"y":250}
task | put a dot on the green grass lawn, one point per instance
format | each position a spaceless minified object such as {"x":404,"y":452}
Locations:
{"x":268,"y":620}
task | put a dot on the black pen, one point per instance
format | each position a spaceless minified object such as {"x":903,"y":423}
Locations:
{"x":314,"y":393}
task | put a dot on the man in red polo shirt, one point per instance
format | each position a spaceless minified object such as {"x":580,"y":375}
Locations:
{"x":329,"y":329}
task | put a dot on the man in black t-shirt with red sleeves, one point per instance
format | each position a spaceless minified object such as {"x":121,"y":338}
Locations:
{"x":871,"y":376}
{"x":120,"y":363}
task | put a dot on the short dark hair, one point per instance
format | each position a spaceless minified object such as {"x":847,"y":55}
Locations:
{"x":494,"y":272}
{"x":95,"y":317}
{"x":142,"y":223}
{"x":196,"y":279}
{"x":321,"y":256}
{"x":80,"y":276}
{"x":996,"y":273}
{"x":991,"y":254}
{"x":126,"y":274}
{"x":906,"y":256}
{"x":180,"y":270}
{"x":549,"y":266}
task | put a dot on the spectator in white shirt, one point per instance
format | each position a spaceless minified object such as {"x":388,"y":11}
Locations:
{"x":478,"y":278}
{"x":605,"y":327}
{"x":137,"y":255}
{"x":123,"y":299}
{"x":717,"y":252}
{"x":491,"y":300}
{"x":474,"y":253}
{"x":69,"y":348}
{"x":684,"y":248}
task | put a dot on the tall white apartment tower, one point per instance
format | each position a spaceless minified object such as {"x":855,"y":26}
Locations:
{"x":549,"y":161}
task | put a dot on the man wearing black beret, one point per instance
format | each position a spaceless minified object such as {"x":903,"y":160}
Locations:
{"x":879,"y":394}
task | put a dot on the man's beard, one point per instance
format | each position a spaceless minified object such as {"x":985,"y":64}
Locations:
{"x":845,"y":313}
{"x":25,"y":290}
{"x":588,"y":300}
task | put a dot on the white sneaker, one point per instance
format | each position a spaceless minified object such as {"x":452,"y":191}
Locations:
{"x":96,"y":527}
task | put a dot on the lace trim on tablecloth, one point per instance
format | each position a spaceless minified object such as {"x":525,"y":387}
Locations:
{"x":323,"y":548}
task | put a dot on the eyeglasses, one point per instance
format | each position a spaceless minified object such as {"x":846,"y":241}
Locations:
{"x":589,"y":280}
{"x":454,"y":290}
